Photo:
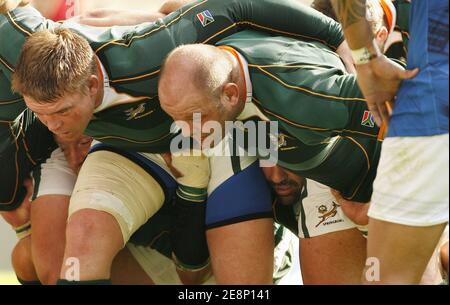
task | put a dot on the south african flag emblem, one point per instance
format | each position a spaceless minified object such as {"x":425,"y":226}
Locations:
{"x":205,"y":18}
{"x":368,"y":119}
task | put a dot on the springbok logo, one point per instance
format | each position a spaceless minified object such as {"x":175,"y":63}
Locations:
{"x":133,"y":114}
{"x":325,"y":214}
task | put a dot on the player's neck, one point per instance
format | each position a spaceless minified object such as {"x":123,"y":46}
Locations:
{"x":238,"y":71}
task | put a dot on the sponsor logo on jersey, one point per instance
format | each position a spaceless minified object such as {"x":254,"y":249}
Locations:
{"x":368,"y":119}
{"x":206,"y":18}
{"x":326,"y":215}
{"x":134,"y":113}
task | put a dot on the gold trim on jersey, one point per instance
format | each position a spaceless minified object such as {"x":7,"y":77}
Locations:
{"x":130,"y":140}
{"x":16,"y":25}
{"x":11,"y":69}
{"x":288,"y":66}
{"x":27,"y":150}
{"x":290,"y":122}
{"x":313,"y":128}
{"x":285,"y":33}
{"x":10,"y":101}
{"x":17,"y":168}
{"x":240,"y":23}
{"x":304,"y":89}
{"x":288,"y":148}
{"x":368,"y":165}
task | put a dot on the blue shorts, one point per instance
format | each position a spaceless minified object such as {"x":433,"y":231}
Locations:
{"x":244,"y":196}
{"x":421,"y":107}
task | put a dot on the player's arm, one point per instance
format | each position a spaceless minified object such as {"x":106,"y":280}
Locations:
{"x":19,"y":219}
{"x":378,"y":77}
{"x":15,"y":27}
{"x":12,"y":192}
{"x":11,"y":105}
{"x":188,"y":235}
{"x":352,"y":14}
{"x":213,"y":20}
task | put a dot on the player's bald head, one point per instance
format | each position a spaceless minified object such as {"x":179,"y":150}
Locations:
{"x":200,"y":79}
{"x":200,"y":68}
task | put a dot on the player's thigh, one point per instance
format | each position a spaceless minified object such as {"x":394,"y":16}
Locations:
{"x":233,"y":249}
{"x":332,"y":248}
{"x":335,"y":258}
{"x":114,"y":184}
{"x":49,"y":217}
{"x":401,"y":252}
{"x":239,"y":221}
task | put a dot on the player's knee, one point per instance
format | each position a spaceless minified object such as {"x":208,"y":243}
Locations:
{"x":22,"y":261}
{"x":49,"y":277}
{"x":47,"y":271}
{"x":89,"y":230}
{"x":81,"y":228}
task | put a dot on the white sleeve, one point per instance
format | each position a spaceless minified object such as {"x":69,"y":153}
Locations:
{"x":54,"y":177}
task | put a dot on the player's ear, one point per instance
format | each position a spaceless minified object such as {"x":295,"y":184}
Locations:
{"x":382,"y":35}
{"x":230,"y":94}
{"x":94,"y":85}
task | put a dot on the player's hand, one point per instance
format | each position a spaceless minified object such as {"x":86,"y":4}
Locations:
{"x":346,"y":55}
{"x":21,"y":215}
{"x":355,"y":211}
{"x":379,"y":81}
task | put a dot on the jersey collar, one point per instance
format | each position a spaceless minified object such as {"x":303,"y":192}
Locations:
{"x":244,"y":68}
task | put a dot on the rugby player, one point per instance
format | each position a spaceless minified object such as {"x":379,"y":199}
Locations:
{"x":141,"y":86}
{"x":405,"y":225}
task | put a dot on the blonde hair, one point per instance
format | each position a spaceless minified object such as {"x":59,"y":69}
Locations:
{"x":375,"y":15}
{"x":54,"y":63}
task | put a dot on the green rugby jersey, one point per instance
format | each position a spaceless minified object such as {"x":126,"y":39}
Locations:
{"x":132,"y":57}
{"x":327,"y":133}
